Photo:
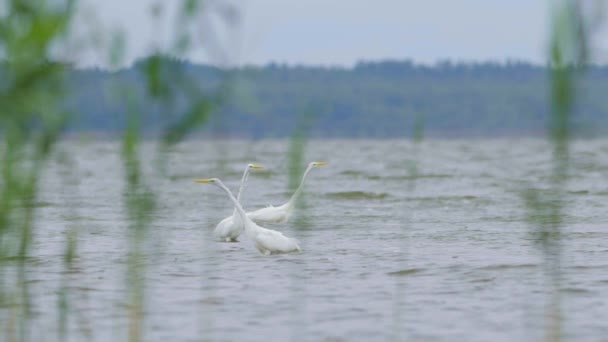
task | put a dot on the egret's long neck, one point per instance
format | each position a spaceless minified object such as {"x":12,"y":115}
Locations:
{"x":294,"y":197}
{"x":237,"y":206}
{"x":241,"y":187}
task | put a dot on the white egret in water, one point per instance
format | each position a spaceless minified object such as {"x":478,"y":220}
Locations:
{"x":267,"y":241}
{"x":282,"y":213}
{"x":230,"y":228}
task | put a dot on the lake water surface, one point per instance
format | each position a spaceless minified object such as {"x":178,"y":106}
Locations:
{"x":446,"y":253}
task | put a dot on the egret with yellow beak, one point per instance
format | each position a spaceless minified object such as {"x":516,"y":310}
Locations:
{"x":267,"y":241}
{"x":229,"y":229}
{"x":282,"y":213}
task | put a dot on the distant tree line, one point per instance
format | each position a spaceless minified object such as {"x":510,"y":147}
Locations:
{"x":373,"y":99}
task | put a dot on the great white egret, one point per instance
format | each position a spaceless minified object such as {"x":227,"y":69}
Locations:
{"x":282,"y":213}
{"x":266,"y":241}
{"x":230,"y":228}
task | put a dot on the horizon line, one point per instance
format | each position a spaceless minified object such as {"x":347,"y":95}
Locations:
{"x":347,"y":67}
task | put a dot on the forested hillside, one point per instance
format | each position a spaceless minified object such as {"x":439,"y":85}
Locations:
{"x":373,"y":99}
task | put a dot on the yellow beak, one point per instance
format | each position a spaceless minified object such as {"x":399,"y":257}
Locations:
{"x":202,"y":181}
{"x":257,"y":167}
{"x":320,"y":163}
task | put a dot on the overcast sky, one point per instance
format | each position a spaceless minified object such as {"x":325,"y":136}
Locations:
{"x":333,"y":32}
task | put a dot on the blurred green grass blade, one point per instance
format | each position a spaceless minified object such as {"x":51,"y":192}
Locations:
{"x":196,"y":116}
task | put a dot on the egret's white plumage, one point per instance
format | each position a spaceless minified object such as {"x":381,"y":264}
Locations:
{"x":231,"y":227}
{"x":267,"y":241}
{"x":282,"y":213}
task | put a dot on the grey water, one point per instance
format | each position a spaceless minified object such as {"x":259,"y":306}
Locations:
{"x":446,"y":253}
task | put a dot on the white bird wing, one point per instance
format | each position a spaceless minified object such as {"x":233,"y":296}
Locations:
{"x":276,"y":241}
{"x":227,"y":227}
{"x":268,"y":215}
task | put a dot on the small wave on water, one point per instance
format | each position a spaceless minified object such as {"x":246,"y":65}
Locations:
{"x":574,"y":290}
{"x":579,"y":192}
{"x":222,"y":174}
{"x":358,"y":195}
{"x":406,"y":272}
{"x":410,"y":177}
{"x":404,"y":177}
{"x":442,"y":199}
{"x":502,"y":267}
{"x":38,"y":204}
{"x":353,"y":173}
